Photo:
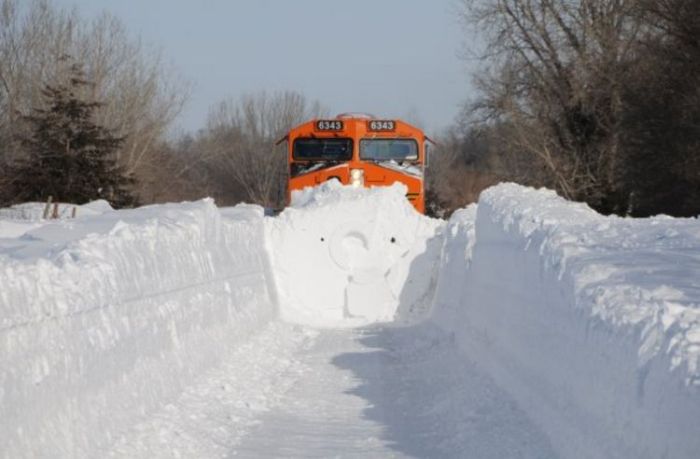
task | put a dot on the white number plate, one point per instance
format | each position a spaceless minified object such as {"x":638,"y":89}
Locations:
{"x":381,"y":125}
{"x":329,"y":125}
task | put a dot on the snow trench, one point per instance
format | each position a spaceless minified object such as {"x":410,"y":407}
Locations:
{"x":590,"y":323}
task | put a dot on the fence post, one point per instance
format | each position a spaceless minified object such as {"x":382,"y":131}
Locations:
{"x":47,"y":208}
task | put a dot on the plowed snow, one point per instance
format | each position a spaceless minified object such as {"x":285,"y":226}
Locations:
{"x":349,"y":326}
{"x":370,"y":392}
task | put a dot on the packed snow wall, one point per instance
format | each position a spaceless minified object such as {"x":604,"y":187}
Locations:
{"x":348,"y":257}
{"x":106,"y":317}
{"x":103,"y":319}
{"x":591,"y":322}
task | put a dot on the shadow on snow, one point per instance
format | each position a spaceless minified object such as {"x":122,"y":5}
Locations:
{"x":433,"y":402}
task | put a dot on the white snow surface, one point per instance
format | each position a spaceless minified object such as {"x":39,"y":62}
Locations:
{"x":592,"y":323}
{"x":20,"y":218}
{"x":341,"y":256}
{"x":34,"y":211}
{"x":350,"y":326}
{"x":104,"y":318}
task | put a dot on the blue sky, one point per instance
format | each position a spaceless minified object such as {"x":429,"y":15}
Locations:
{"x":393,"y":58}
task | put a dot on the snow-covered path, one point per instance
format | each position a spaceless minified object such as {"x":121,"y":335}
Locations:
{"x":369,"y":392}
{"x":392,"y":392}
{"x":525,"y":326}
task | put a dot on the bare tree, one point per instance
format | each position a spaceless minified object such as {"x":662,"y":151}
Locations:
{"x":555,"y":73}
{"x":662,"y":120}
{"x":240,"y":138}
{"x":463,"y":164}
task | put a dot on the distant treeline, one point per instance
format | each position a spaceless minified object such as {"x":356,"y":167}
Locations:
{"x":85,"y":113}
{"x":598,"y":99}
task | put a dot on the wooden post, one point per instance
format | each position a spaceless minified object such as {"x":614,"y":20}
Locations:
{"x":47,"y":207}
{"x":55,"y":210}
{"x":74,"y":212}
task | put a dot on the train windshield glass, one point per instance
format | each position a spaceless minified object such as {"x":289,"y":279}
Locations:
{"x":323,"y":149}
{"x":389,"y":149}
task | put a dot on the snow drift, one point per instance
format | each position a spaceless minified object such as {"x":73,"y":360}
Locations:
{"x":341,"y":256}
{"x":20,"y":218}
{"x":591,"y":322}
{"x":102,"y":319}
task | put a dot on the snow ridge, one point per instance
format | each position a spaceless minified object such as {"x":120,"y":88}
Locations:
{"x":591,"y":322}
{"x":103,"y":319}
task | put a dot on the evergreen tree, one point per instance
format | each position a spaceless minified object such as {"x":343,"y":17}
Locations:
{"x":69,"y":156}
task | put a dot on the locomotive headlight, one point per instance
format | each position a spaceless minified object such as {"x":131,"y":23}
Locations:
{"x":357,"y":177}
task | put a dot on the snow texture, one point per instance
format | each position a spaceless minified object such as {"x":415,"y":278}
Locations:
{"x":526,"y":326}
{"x":342,"y":255}
{"x":591,"y":322}
{"x":34,"y":211}
{"x":20,"y":218}
{"x":105,"y":318}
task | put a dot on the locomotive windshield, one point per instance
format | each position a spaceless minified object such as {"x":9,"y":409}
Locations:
{"x":388,"y":149}
{"x":316,"y":149}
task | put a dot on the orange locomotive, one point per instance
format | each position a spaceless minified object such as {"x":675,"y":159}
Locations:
{"x":358,"y":150}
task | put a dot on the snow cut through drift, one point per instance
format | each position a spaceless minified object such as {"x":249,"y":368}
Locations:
{"x":124,"y":331}
{"x":341,"y":255}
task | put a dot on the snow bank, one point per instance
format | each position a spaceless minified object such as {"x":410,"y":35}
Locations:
{"x":591,"y":322}
{"x":103,"y":319}
{"x":34,"y":211}
{"x":346,"y":256}
{"x":12,"y":228}
{"x":20,"y":218}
